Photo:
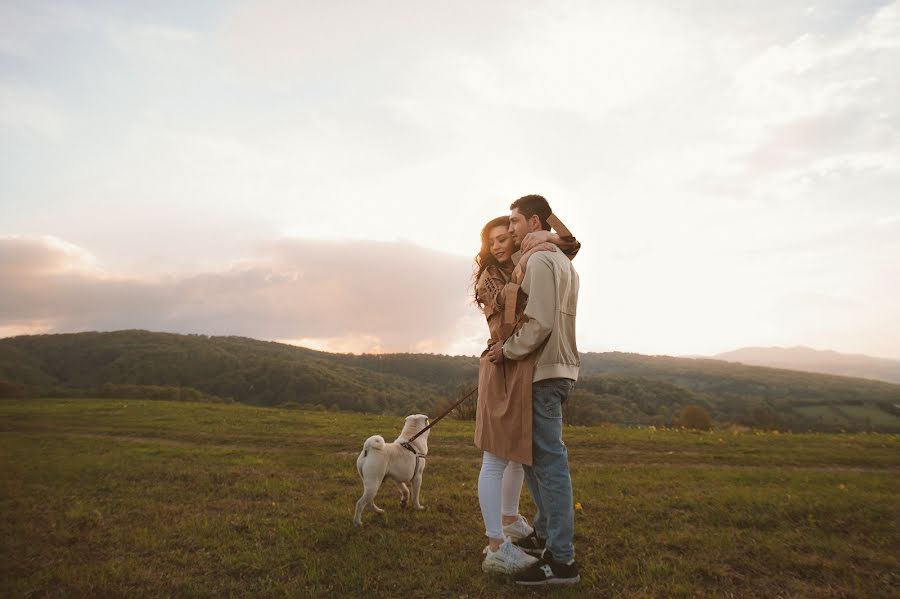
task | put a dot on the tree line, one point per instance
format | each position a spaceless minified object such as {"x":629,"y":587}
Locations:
{"x":614,"y":387}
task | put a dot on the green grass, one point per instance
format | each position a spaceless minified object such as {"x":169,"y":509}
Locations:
{"x":112,"y":498}
{"x":850,"y":417}
{"x":823,"y":414}
{"x":870,"y":414}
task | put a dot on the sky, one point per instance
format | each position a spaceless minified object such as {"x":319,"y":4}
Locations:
{"x":318,"y":172}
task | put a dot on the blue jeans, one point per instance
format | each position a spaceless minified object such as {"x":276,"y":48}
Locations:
{"x":548,"y":477}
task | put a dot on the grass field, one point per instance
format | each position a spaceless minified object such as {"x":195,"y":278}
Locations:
{"x":143,"y":498}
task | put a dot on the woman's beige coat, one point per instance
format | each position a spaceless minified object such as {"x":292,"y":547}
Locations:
{"x":503,"y":418}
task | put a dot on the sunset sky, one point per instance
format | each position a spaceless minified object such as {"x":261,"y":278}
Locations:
{"x":318,"y":172}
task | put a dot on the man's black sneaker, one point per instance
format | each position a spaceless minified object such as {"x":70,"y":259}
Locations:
{"x":532,"y":544}
{"x":547,"y":571}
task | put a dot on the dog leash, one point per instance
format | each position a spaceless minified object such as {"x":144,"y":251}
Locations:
{"x":408,"y":445}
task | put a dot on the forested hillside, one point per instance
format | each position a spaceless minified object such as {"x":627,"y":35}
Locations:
{"x":614,"y":387}
{"x":229,"y":368}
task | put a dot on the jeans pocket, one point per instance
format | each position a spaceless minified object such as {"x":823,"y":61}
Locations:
{"x":547,"y":405}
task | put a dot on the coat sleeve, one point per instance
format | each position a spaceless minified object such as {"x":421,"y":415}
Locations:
{"x":569,"y":246}
{"x":490,"y":291}
{"x":540,"y":311}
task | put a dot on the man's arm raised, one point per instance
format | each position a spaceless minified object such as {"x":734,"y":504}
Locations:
{"x":568,"y":244}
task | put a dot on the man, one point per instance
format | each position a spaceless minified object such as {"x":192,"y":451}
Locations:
{"x":549,"y":329}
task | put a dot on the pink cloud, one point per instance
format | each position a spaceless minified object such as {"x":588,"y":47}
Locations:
{"x":391,"y":296}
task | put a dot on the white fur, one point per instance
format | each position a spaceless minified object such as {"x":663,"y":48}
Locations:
{"x":379,"y":461}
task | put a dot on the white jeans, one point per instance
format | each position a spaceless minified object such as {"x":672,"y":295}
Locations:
{"x":499,"y":487}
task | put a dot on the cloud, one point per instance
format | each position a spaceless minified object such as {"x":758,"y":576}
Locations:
{"x":361,"y":295}
{"x":280,"y":40}
{"x":24,"y":109}
{"x":27,"y":256}
{"x":822,"y":96}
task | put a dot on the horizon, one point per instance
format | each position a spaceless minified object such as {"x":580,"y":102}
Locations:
{"x":276,"y":170}
{"x":686,"y":356}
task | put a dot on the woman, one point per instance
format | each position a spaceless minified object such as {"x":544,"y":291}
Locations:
{"x":503,"y":417}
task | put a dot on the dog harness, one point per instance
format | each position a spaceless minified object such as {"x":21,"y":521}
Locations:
{"x":408,"y":445}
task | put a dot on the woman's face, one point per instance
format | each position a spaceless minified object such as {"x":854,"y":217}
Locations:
{"x":500,"y":244}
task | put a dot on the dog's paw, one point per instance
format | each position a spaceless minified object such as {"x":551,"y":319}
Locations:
{"x":420,"y":507}
{"x":403,"y":504}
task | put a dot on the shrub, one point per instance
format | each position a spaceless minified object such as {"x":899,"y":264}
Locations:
{"x":694,"y":417}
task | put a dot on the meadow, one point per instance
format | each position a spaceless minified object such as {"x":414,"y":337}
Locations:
{"x":152,"y":498}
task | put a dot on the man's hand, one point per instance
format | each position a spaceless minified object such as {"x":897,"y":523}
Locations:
{"x":495,"y":354}
{"x":536,"y":238}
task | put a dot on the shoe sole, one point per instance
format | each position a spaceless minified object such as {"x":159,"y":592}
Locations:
{"x":487,"y":570}
{"x":549,"y":581}
{"x":504,"y":571}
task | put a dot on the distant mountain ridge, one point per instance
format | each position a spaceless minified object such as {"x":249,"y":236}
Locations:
{"x":808,"y":359}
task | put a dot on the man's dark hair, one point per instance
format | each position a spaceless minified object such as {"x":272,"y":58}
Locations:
{"x":530,"y":205}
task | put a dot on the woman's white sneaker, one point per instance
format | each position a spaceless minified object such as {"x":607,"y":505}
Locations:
{"x":508,"y":559}
{"x":518,"y":529}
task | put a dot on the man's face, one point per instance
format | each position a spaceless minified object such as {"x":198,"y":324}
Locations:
{"x":519,"y":226}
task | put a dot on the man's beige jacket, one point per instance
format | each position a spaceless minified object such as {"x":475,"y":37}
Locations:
{"x":549,"y":328}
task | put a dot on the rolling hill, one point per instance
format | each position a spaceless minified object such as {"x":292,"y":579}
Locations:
{"x":614,"y":387}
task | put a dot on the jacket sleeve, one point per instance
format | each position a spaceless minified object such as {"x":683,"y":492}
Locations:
{"x":490,"y":291}
{"x":540,"y":311}
{"x":569,"y":246}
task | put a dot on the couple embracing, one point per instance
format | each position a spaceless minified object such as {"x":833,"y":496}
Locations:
{"x":528,"y":290}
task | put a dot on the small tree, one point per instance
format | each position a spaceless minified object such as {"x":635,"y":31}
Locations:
{"x":694,"y":417}
{"x":764,"y":418}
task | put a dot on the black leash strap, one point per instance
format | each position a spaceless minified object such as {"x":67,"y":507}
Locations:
{"x":450,"y":409}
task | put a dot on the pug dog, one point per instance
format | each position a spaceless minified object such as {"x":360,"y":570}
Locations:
{"x":379,"y":461}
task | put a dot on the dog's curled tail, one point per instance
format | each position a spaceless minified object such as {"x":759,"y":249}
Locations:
{"x":373,"y":442}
